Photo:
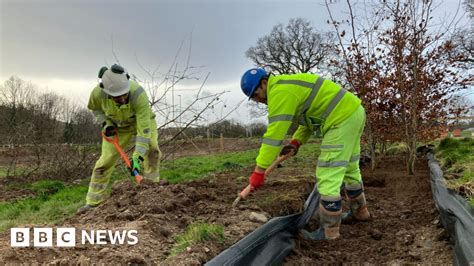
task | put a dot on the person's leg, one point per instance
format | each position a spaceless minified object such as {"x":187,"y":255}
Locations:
{"x":101,"y":174}
{"x":103,"y":170}
{"x":152,"y":160}
{"x":353,"y":184}
{"x":336,"y":149}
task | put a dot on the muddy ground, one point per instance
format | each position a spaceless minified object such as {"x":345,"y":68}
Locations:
{"x":405,"y":227}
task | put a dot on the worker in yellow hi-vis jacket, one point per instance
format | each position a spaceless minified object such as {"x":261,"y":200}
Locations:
{"x":121,"y":105}
{"x":314,"y":103}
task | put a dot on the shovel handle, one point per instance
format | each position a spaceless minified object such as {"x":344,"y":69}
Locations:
{"x":116,"y":143}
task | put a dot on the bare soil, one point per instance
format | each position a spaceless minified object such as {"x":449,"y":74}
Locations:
{"x":405,"y":227}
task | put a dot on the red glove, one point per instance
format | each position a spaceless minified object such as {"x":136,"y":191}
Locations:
{"x":257,"y":180}
{"x":294,"y":145}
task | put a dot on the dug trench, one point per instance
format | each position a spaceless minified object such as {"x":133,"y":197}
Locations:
{"x":405,"y":226}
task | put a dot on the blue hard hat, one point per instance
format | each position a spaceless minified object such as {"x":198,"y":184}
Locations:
{"x":251,"y":79}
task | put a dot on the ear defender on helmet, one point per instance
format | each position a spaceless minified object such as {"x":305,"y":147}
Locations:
{"x":117,"y":69}
{"x":101,"y":73}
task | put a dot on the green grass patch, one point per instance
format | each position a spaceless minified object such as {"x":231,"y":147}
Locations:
{"x":54,"y":202}
{"x":195,"y":233}
{"x":198,"y":167}
{"x":45,"y":188}
{"x":47,"y":208}
{"x":457,"y":161}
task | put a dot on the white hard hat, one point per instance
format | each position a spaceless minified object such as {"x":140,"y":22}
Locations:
{"x":115,"y":83}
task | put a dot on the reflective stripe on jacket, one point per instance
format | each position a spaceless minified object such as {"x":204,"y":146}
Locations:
{"x":307,"y":99}
{"x":136,"y":113}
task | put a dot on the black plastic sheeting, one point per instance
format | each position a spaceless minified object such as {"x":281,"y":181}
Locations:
{"x":271,"y":242}
{"x":456,"y":215}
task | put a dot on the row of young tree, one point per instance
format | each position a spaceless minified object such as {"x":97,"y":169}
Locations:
{"x":407,"y":68}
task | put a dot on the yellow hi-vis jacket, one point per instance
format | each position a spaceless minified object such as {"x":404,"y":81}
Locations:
{"x":307,"y":99}
{"x":135,"y":114}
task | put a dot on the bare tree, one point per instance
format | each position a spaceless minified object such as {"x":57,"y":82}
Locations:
{"x":294,"y":48}
{"x":168,"y":101}
{"x":16,"y":96}
{"x":35,"y":126}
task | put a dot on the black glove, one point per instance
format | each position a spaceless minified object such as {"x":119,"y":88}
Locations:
{"x":109,"y":129}
{"x":293,"y":146}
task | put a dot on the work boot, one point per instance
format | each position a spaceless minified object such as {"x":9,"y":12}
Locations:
{"x":358,"y":207}
{"x":329,"y":221}
{"x":86,"y":208}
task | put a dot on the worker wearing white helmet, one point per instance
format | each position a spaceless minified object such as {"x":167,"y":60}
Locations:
{"x":121,"y":106}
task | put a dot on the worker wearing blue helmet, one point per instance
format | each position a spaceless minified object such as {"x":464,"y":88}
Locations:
{"x":316,"y":104}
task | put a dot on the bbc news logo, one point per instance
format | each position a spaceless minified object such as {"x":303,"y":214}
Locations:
{"x":66,"y":237}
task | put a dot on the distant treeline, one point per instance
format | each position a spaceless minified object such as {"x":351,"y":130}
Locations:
{"x":228,"y":128}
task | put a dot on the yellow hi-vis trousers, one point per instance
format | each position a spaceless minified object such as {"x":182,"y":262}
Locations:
{"x":105,"y":165}
{"x":339,"y":158}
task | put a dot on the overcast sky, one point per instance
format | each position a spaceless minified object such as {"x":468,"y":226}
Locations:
{"x":60,"y":45}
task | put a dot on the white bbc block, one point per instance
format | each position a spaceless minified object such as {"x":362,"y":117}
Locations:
{"x":66,"y":237}
{"x":20,"y":237}
{"x":43,"y":237}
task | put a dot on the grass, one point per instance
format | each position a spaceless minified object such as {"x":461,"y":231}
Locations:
{"x":198,"y":167}
{"x":457,"y":161}
{"x":195,"y":233}
{"x":54,"y":203}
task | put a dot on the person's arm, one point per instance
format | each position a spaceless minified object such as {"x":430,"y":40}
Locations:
{"x":95,"y":105}
{"x":143,"y":116}
{"x":281,"y":113}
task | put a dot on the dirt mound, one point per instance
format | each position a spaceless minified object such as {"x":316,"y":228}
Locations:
{"x":404,"y":229}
